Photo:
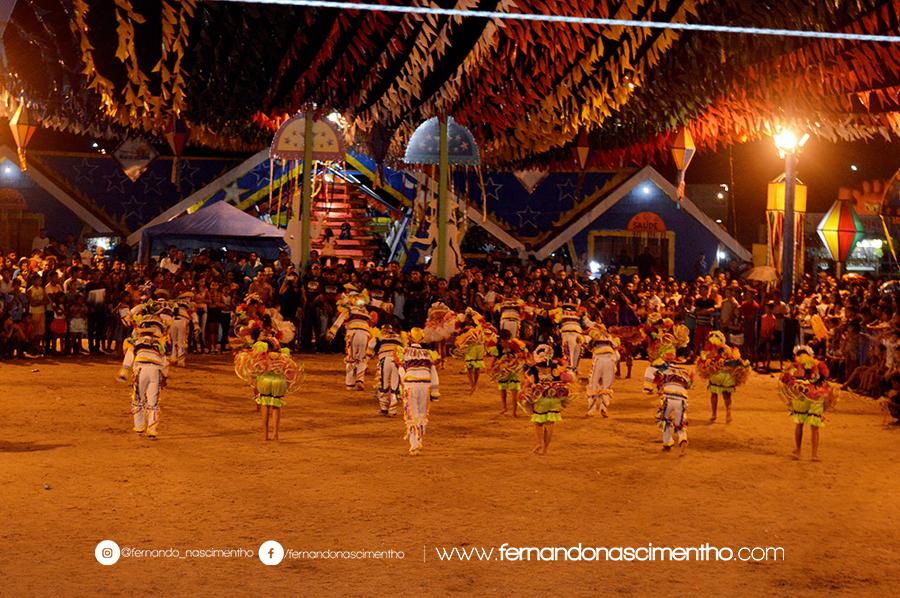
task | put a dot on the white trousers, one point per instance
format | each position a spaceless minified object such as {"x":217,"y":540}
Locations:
{"x":388,"y":384}
{"x":357,"y":342}
{"x":145,"y":400}
{"x":672,"y":417}
{"x":603,"y":372}
{"x":571,"y":347}
{"x":511,"y":325}
{"x":178,"y":334}
{"x":416,"y":396}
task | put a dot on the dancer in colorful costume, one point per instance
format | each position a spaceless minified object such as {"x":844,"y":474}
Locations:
{"x":671,"y":382}
{"x":354,"y":316}
{"x":659,"y":341}
{"x":440,"y":326}
{"x":251,"y":317}
{"x":573,"y":321}
{"x":509,"y":358}
{"x":473,"y":344}
{"x":145,"y":359}
{"x":419,"y":386}
{"x":723,"y":367}
{"x":270,"y":371}
{"x":182,"y":313}
{"x":805,"y":388}
{"x":547,"y":391}
{"x":511,"y":311}
{"x":605,"y":351}
{"x":622,"y":322}
{"x":386,"y":343}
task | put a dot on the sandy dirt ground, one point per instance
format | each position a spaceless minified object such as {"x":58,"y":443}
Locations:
{"x":72,"y":473}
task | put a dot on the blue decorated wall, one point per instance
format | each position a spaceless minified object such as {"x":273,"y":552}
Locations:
{"x":534,"y":217}
{"x":101,"y":179}
{"x":59,"y":221}
{"x":691,"y":237}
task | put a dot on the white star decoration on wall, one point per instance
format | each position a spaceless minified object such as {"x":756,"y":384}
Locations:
{"x":116,"y":181}
{"x":492,"y":189}
{"x":84,"y":171}
{"x":233,"y":193}
{"x":527,"y":217}
{"x":134,"y":209}
{"x":152,"y":182}
{"x":567,"y":193}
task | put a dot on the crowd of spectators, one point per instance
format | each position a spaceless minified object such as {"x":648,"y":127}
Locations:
{"x":63,"y":300}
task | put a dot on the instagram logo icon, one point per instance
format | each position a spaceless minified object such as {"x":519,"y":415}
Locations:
{"x":107,"y":552}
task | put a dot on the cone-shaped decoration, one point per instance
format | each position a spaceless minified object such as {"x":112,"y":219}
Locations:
{"x":23,"y":126}
{"x":840,"y":229}
{"x":583,"y":149}
{"x":177,"y":134}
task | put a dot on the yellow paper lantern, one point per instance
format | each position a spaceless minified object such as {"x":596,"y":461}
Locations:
{"x":775,"y":196}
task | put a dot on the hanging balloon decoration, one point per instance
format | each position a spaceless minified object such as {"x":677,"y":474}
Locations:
{"x":423,"y":150}
{"x":177,"y":134}
{"x":683,"y":151}
{"x":841,"y":229}
{"x":288,"y":145}
{"x":23,"y":126}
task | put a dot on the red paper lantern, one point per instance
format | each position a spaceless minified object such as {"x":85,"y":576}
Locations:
{"x":177,"y":134}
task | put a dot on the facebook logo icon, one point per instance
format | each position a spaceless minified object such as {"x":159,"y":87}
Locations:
{"x":271,"y":552}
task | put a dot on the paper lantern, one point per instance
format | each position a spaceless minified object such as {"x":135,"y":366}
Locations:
{"x":177,"y":134}
{"x":23,"y":126}
{"x":840,"y":230}
{"x":683,"y":150}
{"x":583,"y":149}
{"x":775,"y":196}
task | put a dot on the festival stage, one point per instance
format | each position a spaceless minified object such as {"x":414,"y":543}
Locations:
{"x":340,"y":479}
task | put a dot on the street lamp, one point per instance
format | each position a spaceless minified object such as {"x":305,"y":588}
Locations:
{"x":789,"y":145}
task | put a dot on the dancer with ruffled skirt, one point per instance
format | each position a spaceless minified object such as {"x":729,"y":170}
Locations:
{"x":805,"y":388}
{"x":723,"y":367}
{"x":547,"y":392}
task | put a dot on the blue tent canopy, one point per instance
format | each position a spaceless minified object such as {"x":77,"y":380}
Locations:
{"x":214,"y":226}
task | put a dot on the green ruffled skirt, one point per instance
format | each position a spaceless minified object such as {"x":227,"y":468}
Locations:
{"x":512,"y":383}
{"x":721,"y":382}
{"x":807,"y":411}
{"x":270,"y":401}
{"x":546,"y":409}
{"x":475,"y":357}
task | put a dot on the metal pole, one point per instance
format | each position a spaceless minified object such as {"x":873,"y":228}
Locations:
{"x":306,"y":199}
{"x":443,"y":211}
{"x":788,"y":228}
